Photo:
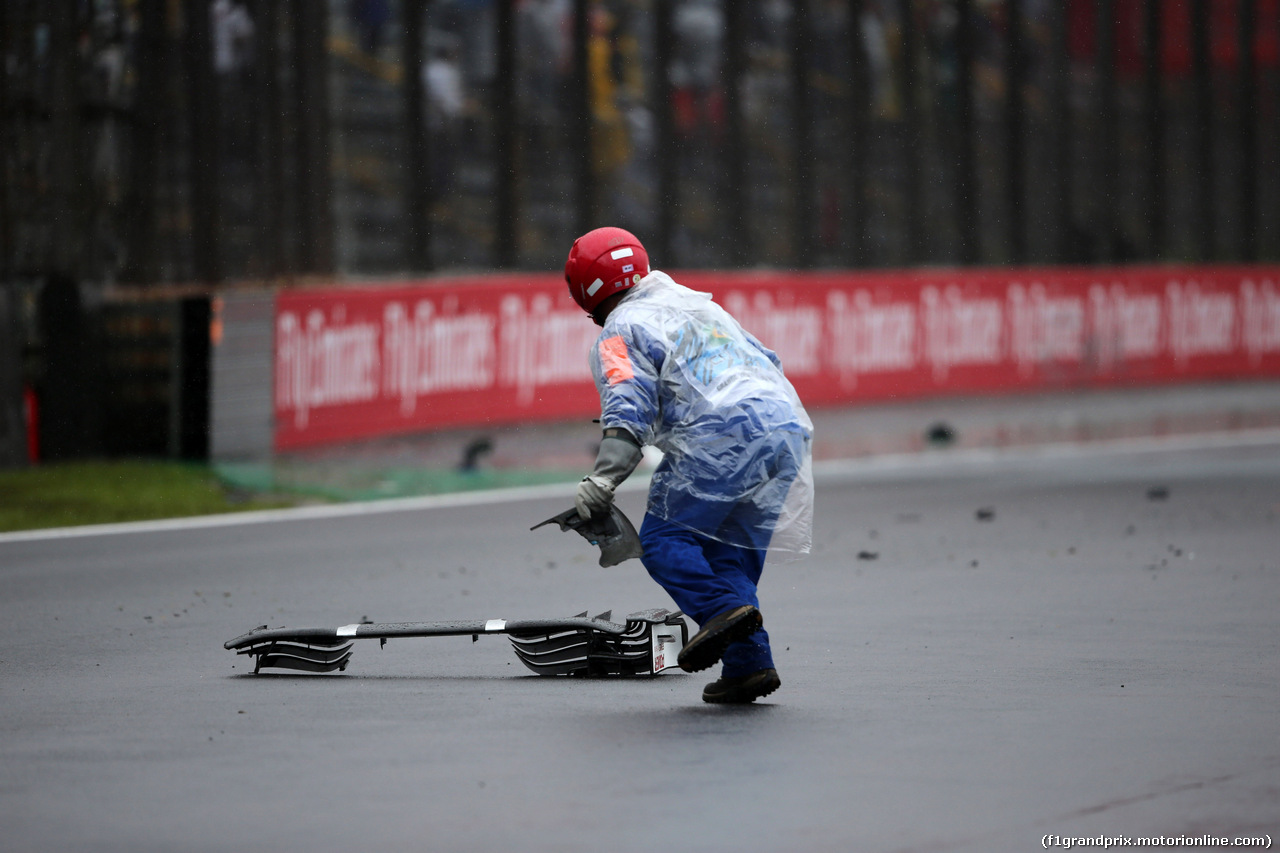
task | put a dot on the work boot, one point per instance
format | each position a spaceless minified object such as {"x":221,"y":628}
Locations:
{"x":742,"y":690}
{"x":707,"y":646}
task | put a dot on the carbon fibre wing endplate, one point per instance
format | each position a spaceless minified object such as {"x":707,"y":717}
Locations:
{"x":612,"y":532}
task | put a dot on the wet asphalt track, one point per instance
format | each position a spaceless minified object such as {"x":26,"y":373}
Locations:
{"x":1090,"y":661}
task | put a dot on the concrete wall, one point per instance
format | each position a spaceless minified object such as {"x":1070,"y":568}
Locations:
{"x":240,"y":406}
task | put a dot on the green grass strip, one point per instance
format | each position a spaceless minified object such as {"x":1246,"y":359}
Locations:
{"x":98,"y":492}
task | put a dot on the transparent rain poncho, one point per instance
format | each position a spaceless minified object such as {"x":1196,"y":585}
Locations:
{"x":678,"y":372}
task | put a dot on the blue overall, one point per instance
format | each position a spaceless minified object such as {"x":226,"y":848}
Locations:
{"x":705,"y":575}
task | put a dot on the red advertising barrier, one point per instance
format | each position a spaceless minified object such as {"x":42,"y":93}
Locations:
{"x":367,"y":361}
{"x":359,"y":362}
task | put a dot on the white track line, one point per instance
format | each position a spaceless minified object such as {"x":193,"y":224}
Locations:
{"x":870,"y":466}
{"x":304,"y":513}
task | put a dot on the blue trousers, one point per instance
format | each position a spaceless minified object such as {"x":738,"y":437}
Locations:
{"x":706,"y":577}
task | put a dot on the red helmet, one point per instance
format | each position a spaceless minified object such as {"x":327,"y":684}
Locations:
{"x":603,"y":262}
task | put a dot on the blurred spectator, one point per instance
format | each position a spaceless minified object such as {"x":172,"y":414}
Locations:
{"x":609,"y":145}
{"x":543,"y":36}
{"x":232,"y":33}
{"x":875,"y":39}
{"x":442,"y":77}
{"x":695,"y":67}
{"x":446,"y":107}
{"x":232,"y":36}
{"x":370,"y":18}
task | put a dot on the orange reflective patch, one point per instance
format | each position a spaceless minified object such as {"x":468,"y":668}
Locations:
{"x":614,"y":359}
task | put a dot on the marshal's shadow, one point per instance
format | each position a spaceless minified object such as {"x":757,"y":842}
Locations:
{"x":523,"y":680}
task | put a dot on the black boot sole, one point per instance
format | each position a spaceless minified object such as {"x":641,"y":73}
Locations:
{"x":742,"y":691}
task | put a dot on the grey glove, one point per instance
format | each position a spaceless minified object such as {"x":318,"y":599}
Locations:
{"x":618,"y":457}
{"x":594,"y":496}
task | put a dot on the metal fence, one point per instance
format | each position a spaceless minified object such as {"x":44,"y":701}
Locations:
{"x":151,"y":141}
{"x":183,"y":146}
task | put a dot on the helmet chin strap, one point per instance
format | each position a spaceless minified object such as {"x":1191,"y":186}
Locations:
{"x":604,"y":309}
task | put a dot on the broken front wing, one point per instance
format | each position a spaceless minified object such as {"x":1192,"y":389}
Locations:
{"x":647,"y":643}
